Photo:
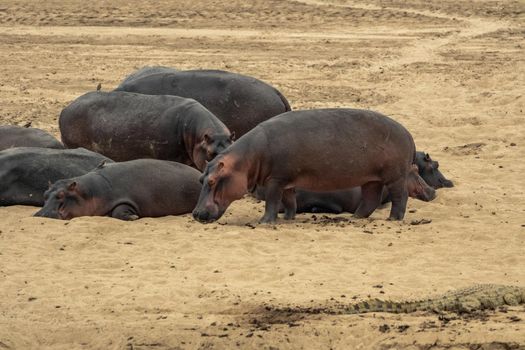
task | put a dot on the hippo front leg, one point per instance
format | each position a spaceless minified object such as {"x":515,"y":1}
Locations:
{"x":399,"y":195}
{"x":289,"y":203}
{"x":273,"y":196}
{"x":124,"y":212}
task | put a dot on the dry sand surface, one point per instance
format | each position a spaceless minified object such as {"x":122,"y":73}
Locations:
{"x":453,"y":72}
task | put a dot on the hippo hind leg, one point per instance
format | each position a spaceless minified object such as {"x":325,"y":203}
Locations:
{"x":399,"y":196}
{"x":371,"y":194}
{"x":124,"y":212}
{"x":289,"y":203}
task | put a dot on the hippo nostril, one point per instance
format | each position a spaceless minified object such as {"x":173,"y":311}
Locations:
{"x":447,"y":183}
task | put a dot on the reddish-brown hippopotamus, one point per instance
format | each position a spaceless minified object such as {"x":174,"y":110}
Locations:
{"x":316,"y":150}
{"x":18,"y":136}
{"x":239,"y":101}
{"x":124,"y":126}
{"x":127,"y":191}
{"x":348,"y":200}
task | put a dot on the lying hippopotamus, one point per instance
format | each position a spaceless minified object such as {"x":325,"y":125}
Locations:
{"x":18,"y":136}
{"x":126,"y":191}
{"x":27,"y":172}
{"x":316,"y":150}
{"x":124,"y":126}
{"x":428,"y":170}
{"x":146,"y":71}
{"x":239,"y":101}
{"x":348,"y":200}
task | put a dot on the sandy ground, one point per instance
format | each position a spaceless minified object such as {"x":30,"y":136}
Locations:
{"x":453,"y":72}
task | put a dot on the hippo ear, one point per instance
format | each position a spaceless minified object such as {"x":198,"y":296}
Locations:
{"x":207,"y":138}
{"x":72,"y":186}
{"x":49,"y":184}
{"x":101,"y":165}
{"x":232,"y":136}
{"x":220,"y":166}
{"x":427,"y":156}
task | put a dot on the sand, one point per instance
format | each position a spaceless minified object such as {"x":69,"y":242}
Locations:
{"x":453,"y":72}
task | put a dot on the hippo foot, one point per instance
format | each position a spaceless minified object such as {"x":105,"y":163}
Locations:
{"x":395,"y":217}
{"x":289,"y":216}
{"x":267,"y":221}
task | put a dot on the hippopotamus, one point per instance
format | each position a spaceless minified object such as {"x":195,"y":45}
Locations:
{"x":27,"y":172}
{"x":19,"y":136}
{"x":127,"y":191}
{"x":428,"y":170}
{"x":347,"y":200}
{"x":316,"y":150}
{"x":145,"y":71}
{"x":239,"y":101}
{"x":124,"y":126}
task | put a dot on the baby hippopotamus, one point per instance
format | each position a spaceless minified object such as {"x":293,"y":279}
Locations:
{"x":126,"y":191}
{"x":316,"y":150}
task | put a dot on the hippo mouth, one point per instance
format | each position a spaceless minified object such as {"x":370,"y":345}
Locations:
{"x":427,"y":196}
{"x":446,"y":183}
{"x":208,"y":216}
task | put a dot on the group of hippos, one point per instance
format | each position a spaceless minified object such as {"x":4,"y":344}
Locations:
{"x":163,"y":143}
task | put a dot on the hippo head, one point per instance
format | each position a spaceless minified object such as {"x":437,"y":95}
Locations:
{"x":417,"y":187}
{"x":222,"y":183}
{"x":210,"y":146}
{"x":428,"y":170}
{"x":64,"y":200}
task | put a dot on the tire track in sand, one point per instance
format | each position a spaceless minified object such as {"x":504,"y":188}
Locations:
{"x":425,"y":49}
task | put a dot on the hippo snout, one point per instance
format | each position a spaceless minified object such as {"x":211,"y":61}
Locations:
{"x":428,"y":195}
{"x":446,"y":183}
{"x":203,"y":216}
{"x":45,"y":213}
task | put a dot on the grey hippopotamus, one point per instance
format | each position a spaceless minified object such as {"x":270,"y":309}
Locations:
{"x":146,"y":71}
{"x":348,"y":200}
{"x":429,"y":171}
{"x":316,"y":150}
{"x":126,"y":191}
{"x":239,"y":101}
{"x":27,"y":172}
{"x":124,"y":126}
{"x":19,"y":136}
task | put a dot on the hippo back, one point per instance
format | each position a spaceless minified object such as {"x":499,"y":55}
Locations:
{"x":26,"y":172}
{"x":145,"y":71}
{"x":239,"y":101}
{"x":17,"y":136}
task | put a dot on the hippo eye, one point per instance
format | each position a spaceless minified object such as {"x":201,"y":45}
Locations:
{"x":59,"y":195}
{"x":211,"y":182}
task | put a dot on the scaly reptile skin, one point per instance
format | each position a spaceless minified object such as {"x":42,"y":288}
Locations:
{"x":476,"y":298}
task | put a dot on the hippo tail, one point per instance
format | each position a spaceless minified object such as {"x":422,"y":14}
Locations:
{"x":287,"y":107}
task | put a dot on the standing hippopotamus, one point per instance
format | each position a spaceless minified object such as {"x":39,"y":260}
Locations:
{"x":18,"y":136}
{"x":316,"y":150}
{"x":348,"y":200}
{"x":428,"y":170}
{"x":126,"y":191}
{"x":124,"y":126}
{"x":239,"y":101}
{"x":27,"y":172}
